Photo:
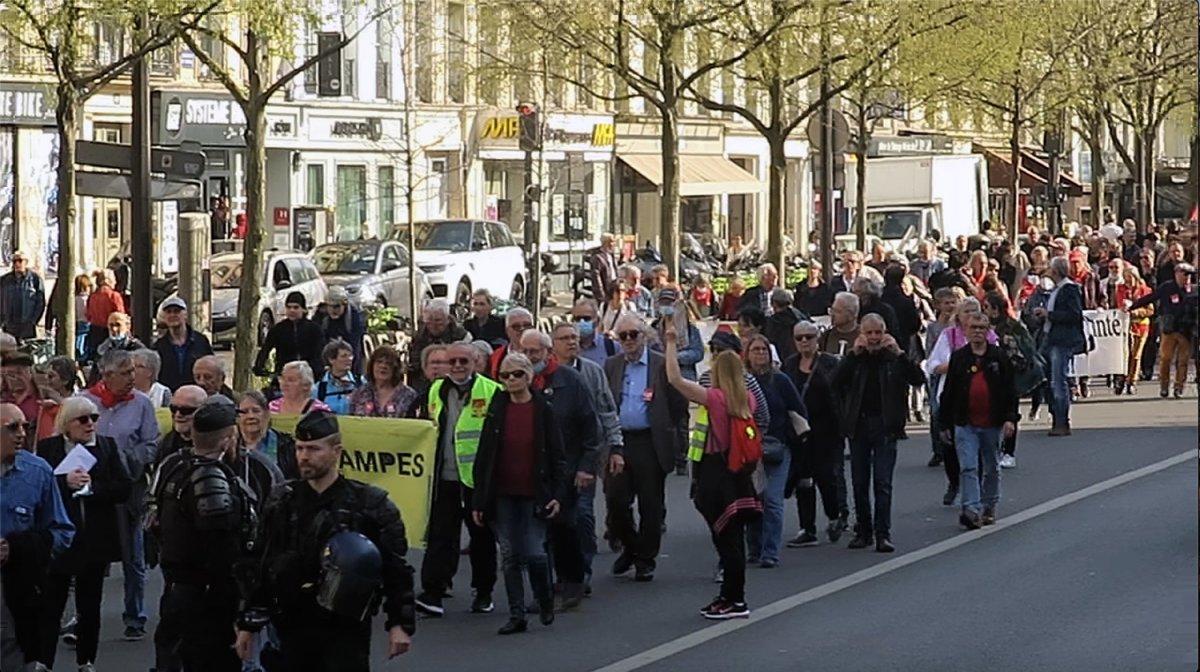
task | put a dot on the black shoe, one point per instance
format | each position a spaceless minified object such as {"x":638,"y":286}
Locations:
{"x":860,"y":541}
{"x":1179,"y":394}
{"x":513,"y":626}
{"x":134,"y":633}
{"x":587,"y":585}
{"x":1084,"y":390}
{"x":833,"y":532}
{"x":1163,"y":393}
{"x":546,"y":611}
{"x":803,"y":540}
{"x":884,"y":545}
{"x":429,"y":605}
{"x":644,"y":574}
{"x":903,"y":435}
{"x":969,"y":520}
{"x":572,"y":596}
{"x":681,"y":470}
{"x":622,"y":564}
{"x":950,"y":496}
{"x":935,"y":460}
{"x":482,"y":604}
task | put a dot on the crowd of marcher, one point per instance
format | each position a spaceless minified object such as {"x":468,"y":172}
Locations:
{"x":272,"y":560}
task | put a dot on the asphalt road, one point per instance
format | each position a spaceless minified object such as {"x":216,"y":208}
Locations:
{"x":1092,"y":567}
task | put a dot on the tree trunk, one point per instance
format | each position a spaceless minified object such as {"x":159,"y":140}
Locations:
{"x":245,"y":343}
{"x":1014,"y":182}
{"x":776,"y":175}
{"x":1194,"y":173}
{"x":860,"y":172}
{"x":410,"y":204}
{"x":669,"y":204}
{"x":1139,"y":184}
{"x":1095,"y":142}
{"x":67,"y":113}
{"x":1150,"y":161}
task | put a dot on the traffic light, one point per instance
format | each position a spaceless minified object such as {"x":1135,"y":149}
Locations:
{"x":531,"y":128}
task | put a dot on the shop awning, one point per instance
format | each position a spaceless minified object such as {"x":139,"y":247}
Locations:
{"x":1035,"y":173}
{"x":698,"y":175}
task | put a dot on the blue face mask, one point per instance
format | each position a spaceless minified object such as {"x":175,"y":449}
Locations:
{"x":666,"y":311}
{"x":539,"y":368}
{"x":587,"y":329}
{"x":119,"y":339}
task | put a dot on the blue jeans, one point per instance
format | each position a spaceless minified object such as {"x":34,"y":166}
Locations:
{"x":766,"y":536}
{"x":81,"y":336}
{"x":522,"y":537}
{"x":978,"y":464}
{"x":261,"y":638}
{"x":1060,"y":360}
{"x":133,"y":564}
{"x":872,"y":464}
{"x":585,"y":512}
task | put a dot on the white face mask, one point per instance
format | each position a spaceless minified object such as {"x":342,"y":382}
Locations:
{"x":1047,"y":283}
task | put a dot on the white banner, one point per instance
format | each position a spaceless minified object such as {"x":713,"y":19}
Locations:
{"x":1110,"y":328}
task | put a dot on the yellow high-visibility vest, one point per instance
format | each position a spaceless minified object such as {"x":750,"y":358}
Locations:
{"x":698,"y":436}
{"x":469,"y":426}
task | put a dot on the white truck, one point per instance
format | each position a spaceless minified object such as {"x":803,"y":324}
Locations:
{"x":908,"y":198}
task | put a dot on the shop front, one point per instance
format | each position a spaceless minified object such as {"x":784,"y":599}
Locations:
{"x":707,"y":181}
{"x":573,"y":169}
{"x":28,"y":175}
{"x":343,"y":175}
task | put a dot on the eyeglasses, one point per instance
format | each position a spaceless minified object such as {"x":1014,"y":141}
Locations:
{"x":15,"y":426}
{"x":505,"y":375}
{"x":582,"y":318}
{"x":805,"y":337}
{"x":521,"y":326}
{"x":91,"y":418}
{"x":631,"y":335}
{"x":458,"y":361}
{"x":185,"y":411}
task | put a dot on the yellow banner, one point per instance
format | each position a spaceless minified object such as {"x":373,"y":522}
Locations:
{"x":396,"y":455}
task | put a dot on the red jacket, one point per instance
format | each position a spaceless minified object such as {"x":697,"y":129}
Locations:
{"x":102,"y":303}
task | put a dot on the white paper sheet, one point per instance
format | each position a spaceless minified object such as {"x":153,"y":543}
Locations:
{"x":78,"y":458}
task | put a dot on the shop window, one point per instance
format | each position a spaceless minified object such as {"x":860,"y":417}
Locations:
{"x":315,"y":183}
{"x":387,"y":200}
{"x":351,"y":201}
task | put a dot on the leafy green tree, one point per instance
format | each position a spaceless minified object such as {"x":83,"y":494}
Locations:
{"x":263,"y":37}
{"x":58,"y":36}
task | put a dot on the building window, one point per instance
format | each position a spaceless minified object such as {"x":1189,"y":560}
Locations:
{"x":423,"y":49}
{"x":489,"y":80}
{"x":383,"y":54}
{"x":351,"y":201}
{"x":456,"y":53}
{"x":349,"y":86}
{"x":316,"y":185}
{"x":387,"y":200}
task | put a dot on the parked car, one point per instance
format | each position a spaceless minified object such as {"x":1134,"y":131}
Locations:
{"x":460,"y":256}
{"x":284,"y":272}
{"x":374,"y":272}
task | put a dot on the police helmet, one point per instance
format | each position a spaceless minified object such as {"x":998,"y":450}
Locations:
{"x":351,"y":575}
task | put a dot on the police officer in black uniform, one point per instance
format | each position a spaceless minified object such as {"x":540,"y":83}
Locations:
{"x":203,"y":513}
{"x":332,"y":549}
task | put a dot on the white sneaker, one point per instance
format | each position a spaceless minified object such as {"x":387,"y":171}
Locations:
{"x":1008,"y":462}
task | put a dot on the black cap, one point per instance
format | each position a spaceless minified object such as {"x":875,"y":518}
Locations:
{"x":316,"y":425}
{"x":217,"y":412}
{"x":296,"y":299}
{"x":725,"y":340}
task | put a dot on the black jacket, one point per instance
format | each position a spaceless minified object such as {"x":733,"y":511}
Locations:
{"x":285,"y":572}
{"x":171,"y":374}
{"x":779,"y":330}
{"x":753,"y":298}
{"x":575,"y":412}
{"x":893,"y":373}
{"x":817,"y":394}
{"x":95,"y":516}
{"x":551,"y":480}
{"x":956,"y":394}
{"x":882,"y":309}
{"x":293,"y":340}
{"x":491,"y":330}
{"x":908,"y":320}
{"x":814,"y":300}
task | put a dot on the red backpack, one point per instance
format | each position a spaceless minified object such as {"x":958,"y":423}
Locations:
{"x":745,"y":444}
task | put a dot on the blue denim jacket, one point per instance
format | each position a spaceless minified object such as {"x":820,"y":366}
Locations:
{"x":29,"y":500}
{"x":336,"y":391}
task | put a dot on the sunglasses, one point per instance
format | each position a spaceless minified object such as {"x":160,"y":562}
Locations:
{"x":15,"y":426}
{"x":505,"y":375}
{"x":458,"y":361}
{"x":805,"y":337}
{"x":91,"y":418}
{"x":183,"y":410}
{"x":582,"y":318}
{"x":631,"y":335}
{"x":522,"y":326}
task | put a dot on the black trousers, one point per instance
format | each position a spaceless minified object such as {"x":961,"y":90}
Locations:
{"x":89,"y":589}
{"x":1007,"y":446}
{"x":731,"y":549}
{"x":820,"y":465}
{"x":199,"y":621}
{"x":451,"y":508}
{"x":23,"y":599}
{"x":316,"y":645}
{"x":566,"y":548}
{"x":1150,"y":352}
{"x":642,"y":479}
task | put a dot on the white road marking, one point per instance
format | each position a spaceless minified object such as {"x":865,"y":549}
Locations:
{"x":705,"y":635}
